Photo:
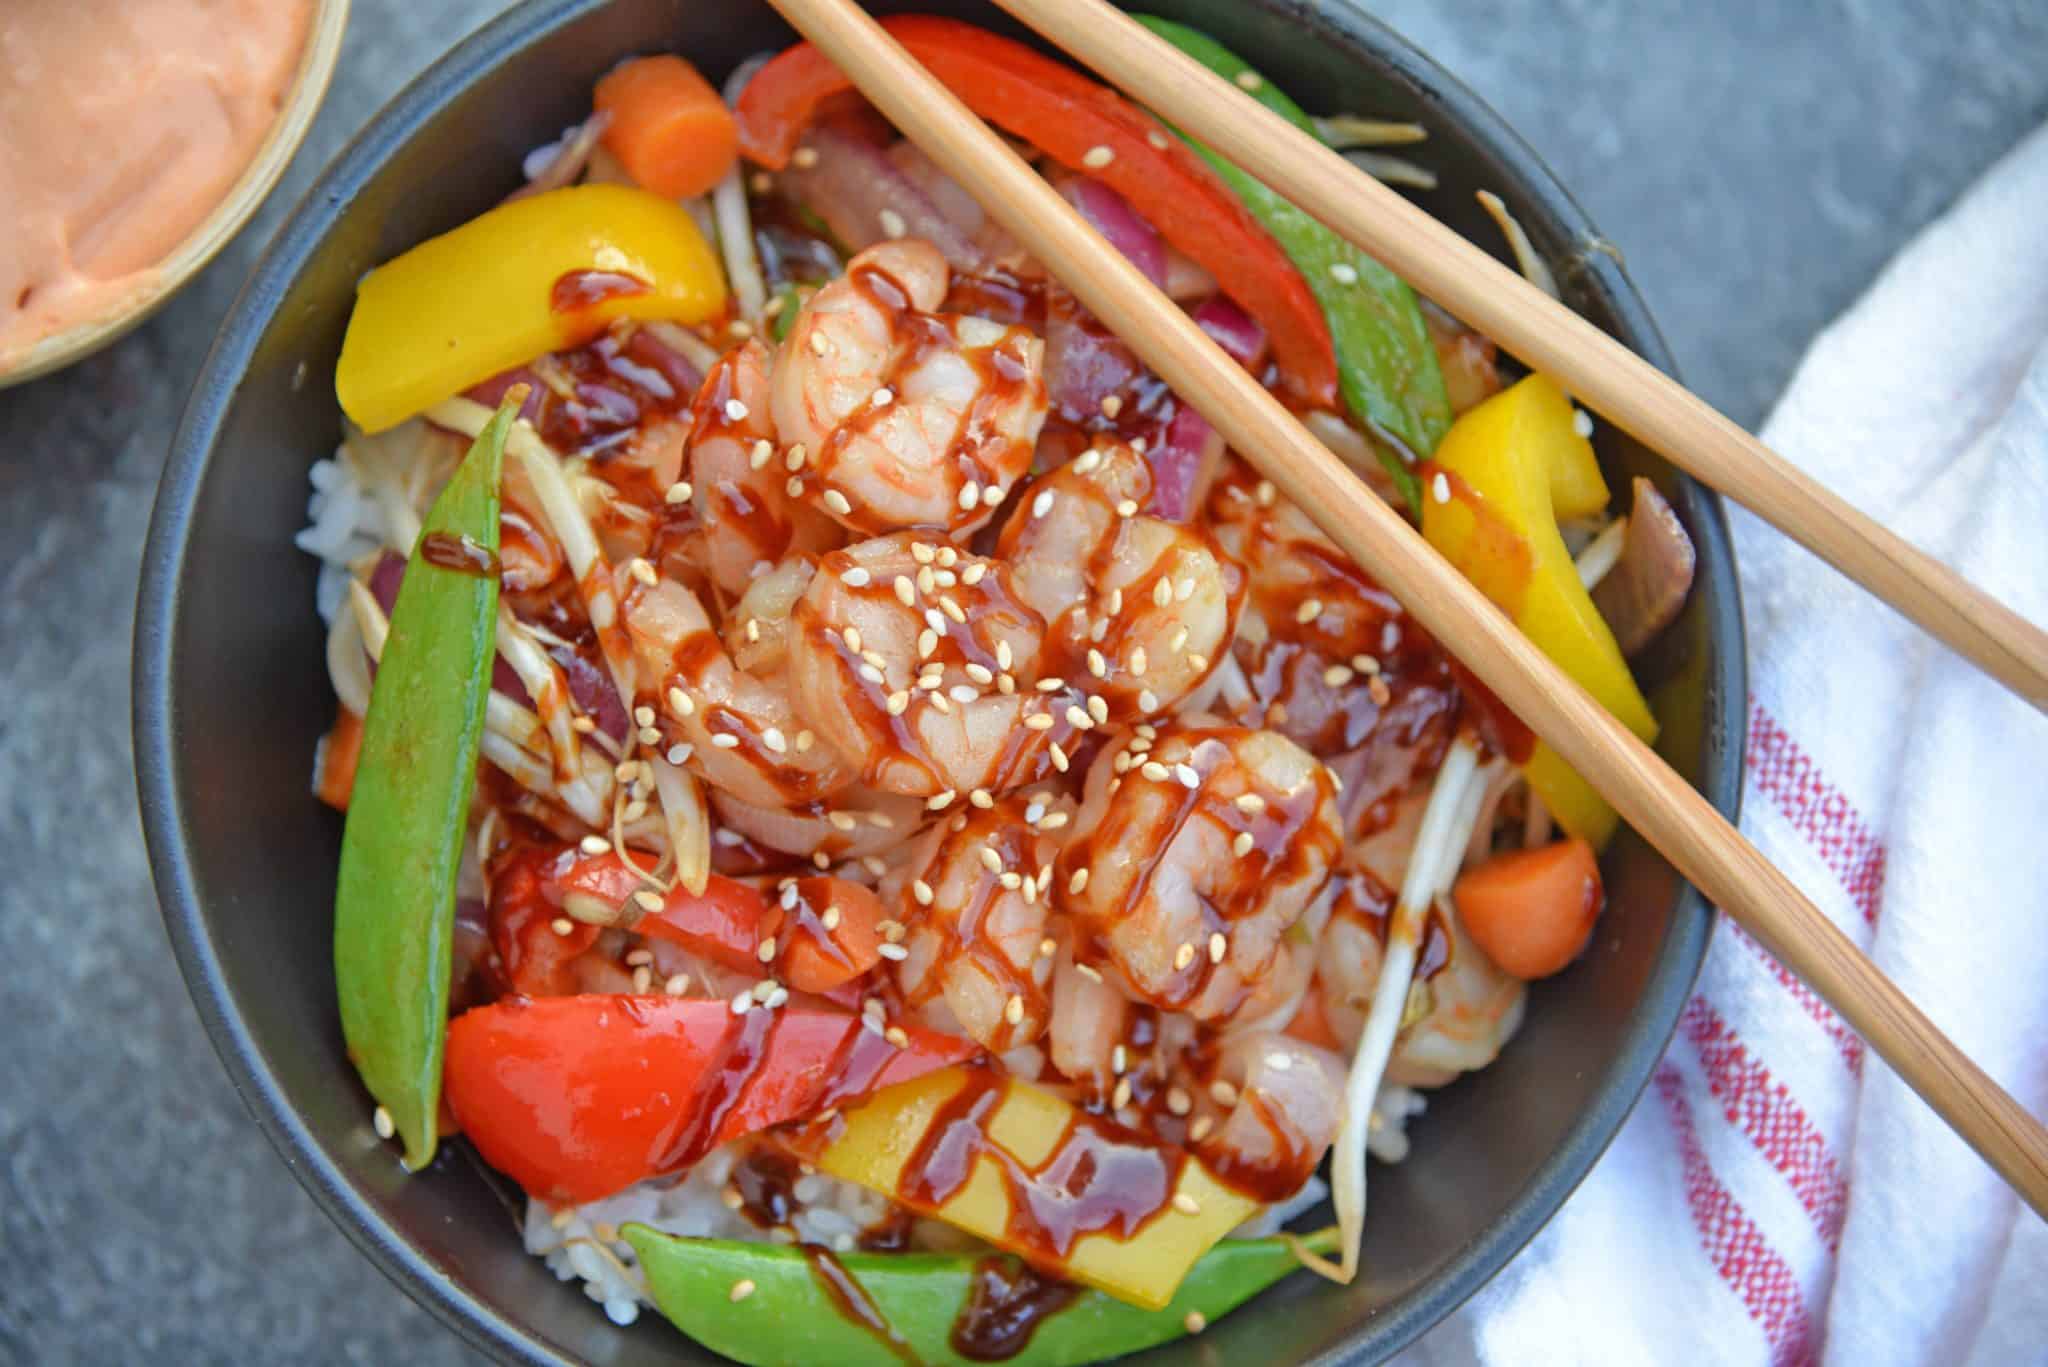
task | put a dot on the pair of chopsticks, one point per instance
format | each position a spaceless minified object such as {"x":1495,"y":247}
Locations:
{"x":1599,"y":372}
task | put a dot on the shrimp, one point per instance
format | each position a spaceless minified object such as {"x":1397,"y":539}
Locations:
{"x":732,"y":729}
{"x":1089,"y":1019}
{"x":1332,"y":660}
{"x":919,"y":662}
{"x":897,"y":416}
{"x":974,"y":894}
{"x":853,"y":823}
{"x":1471,"y":1010}
{"x":1281,"y":1101}
{"x":747,"y":518}
{"x":1145,"y":606}
{"x":1194,"y":854}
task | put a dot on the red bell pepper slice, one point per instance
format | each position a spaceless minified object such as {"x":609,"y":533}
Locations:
{"x":576,"y":1098}
{"x":1068,"y":116}
{"x":533,"y":957}
{"x":730,"y":921}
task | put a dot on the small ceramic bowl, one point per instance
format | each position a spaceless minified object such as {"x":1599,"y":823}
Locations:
{"x":231,"y":693}
{"x":301,"y":103}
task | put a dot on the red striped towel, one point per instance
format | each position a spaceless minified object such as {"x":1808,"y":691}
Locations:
{"x":1779,"y":1197}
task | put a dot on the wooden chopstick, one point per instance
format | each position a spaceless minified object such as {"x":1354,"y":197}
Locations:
{"x":1653,"y":799}
{"x":1599,"y":371}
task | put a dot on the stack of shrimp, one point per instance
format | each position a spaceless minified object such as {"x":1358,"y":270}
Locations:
{"x":1114,"y":779}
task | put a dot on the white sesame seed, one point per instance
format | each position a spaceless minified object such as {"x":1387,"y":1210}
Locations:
{"x":1122,"y":1096}
{"x":1042,"y":505}
{"x":1336,"y":676}
{"x":922,"y":891}
{"x":726,"y":741}
{"x":772,"y":738}
{"x":856,"y":578}
{"x":679,"y":755}
{"x":898,"y":703}
{"x":1097,"y":157}
{"x":1059,"y":755}
{"x":643,"y":716}
{"x":648,"y":900}
{"x":1344,"y":273}
{"x":1249,"y":80}
{"x":1087,"y":461}
{"x":742,"y":1002}
{"x":595,"y":845}
{"x":679,"y":492}
{"x":1112,"y":404}
{"x":677,"y":984}
{"x":970,"y":496}
{"x":1153,"y":770}
{"x":871,"y":674}
{"x":980,"y":673}
{"x":804,"y":741}
{"x":819,"y":345}
{"x":836,"y":502}
{"x":1582,"y":422}
{"x":1183,"y":956}
{"x":1187,"y":776}
{"x":1099,"y":710}
{"x":1195,"y":1321}
{"x":892,"y":223}
{"x":381,"y":1122}
{"x":735,"y":410}
{"x":1242,"y":845}
{"x":894,"y":953}
{"x":765,"y":951}
{"x":1184,"y":589}
{"x":1087,"y":972}
{"x":1440,"y":488}
{"x":953,"y":609}
{"x":1148,"y":701}
{"x":1156,"y":140}
{"x":1039,"y":721}
{"x":883,"y":397}
{"x":562,"y":925}
{"x":982,"y":798}
{"x":993,"y":495}
{"x":744,"y":1287}
{"x":906,"y":592}
{"x":804,"y":158}
{"x":897,"y":1036}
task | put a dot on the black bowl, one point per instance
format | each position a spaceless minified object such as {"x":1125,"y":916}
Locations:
{"x":230,"y":693}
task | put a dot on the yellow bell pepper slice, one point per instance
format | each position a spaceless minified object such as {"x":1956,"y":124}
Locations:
{"x":881,"y":1136}
{"x":1515,"y":465}
{"x":526,"y":278}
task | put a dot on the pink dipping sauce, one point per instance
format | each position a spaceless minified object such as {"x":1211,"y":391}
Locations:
{"x":123,"y":123}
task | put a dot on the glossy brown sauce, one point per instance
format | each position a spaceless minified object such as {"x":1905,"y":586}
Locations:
{"x":1006,"y":1302}
{"x":852,"y":1301}
{"x":1272,"y":1179}
{"x":765,"y":1177}
{"x":603,"y":390}
{"x":577,"y":291}
{"x":459,"y":553}
{"x":742,"y":1051}
{"x":1099,"y":1177}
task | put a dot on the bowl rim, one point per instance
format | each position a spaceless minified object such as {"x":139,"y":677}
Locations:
{"x":1644,"y":1037}
{"x":304,"y":97}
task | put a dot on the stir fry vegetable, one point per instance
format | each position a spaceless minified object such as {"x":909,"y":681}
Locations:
{"x":668,"y":127}
{"x":528,"y":277}
{"x":1029,"y":1173}
{"x":802,"y":1307}
{"x":1087,"y":128}
{"x":575,"y":1098}
{"x":1532,"y":911}
{"x":1386,"y":366}
{"x":1510,"y":470}
{"x":394,"y":898}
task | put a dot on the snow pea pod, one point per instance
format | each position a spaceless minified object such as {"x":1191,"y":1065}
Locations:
{"x":769,"y":1305}
{"x":394,"y":899}
{"x":1387,"y":368}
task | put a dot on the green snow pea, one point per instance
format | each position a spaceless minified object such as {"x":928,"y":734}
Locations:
{"x":394,"y":900}
{"x":1386,"y":365}
{"x":790,"y":1319}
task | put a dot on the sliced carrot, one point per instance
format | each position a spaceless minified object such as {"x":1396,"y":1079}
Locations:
{"x":1532,"y":911}
{"x":334,"y":763}
{"x":815,"y":957}
{"x":668,"y":128}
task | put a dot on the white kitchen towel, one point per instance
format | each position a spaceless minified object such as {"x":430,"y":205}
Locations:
{"x":1779,"y":1196}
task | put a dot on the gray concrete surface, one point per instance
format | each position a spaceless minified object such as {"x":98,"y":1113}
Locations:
{"x":1757,"y":161}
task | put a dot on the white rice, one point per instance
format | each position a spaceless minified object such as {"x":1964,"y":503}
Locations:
{"x":1386,"y":1132}
{"x":344,"y":524}
{"x":829,"y":1212}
